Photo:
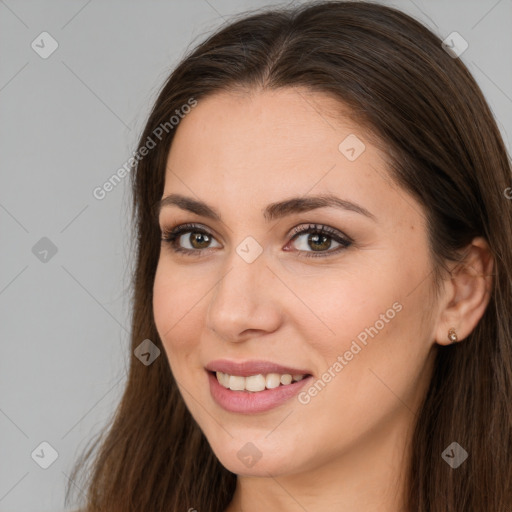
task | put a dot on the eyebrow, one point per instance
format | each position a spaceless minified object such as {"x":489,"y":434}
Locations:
{"x":273,"y":211}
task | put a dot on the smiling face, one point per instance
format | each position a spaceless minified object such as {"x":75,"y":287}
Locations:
{"x":346,"y":306}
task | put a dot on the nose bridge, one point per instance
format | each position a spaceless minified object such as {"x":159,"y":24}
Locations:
{"x":240,"y":301}
{"x":238,"y":286}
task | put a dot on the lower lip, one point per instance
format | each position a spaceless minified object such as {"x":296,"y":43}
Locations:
{"x":247,"y":402}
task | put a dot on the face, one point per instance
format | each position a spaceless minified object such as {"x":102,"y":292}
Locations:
{"x":334,"y":293}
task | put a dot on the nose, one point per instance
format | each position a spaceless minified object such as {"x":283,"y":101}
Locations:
{"x":245,"y":301}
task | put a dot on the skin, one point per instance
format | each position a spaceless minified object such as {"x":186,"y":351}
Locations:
{"x":348,"y":448}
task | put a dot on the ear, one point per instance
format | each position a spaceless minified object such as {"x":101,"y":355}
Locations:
{"x":467,"y":292}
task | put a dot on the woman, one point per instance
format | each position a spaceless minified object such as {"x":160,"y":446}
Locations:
{"x":324,"y":264}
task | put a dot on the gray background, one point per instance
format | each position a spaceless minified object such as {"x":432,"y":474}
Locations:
{"x":67,"y":123}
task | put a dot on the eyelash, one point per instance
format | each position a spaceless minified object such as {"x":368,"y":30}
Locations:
{"x":171,"y":236}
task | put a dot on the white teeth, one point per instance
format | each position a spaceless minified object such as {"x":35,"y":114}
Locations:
{"x":223,"y":378}
{"x":256,"y":383}
{"x":273,"y":380}
{"x":286,"y":379}
{"x":236,"y":383}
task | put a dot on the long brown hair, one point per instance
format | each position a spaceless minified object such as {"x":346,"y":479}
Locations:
{"x":428,"y":114}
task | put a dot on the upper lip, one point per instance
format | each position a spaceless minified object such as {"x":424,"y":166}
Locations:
{"x":254,"y":367}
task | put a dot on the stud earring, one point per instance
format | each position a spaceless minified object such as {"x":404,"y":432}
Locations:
{"x":452,"y":335}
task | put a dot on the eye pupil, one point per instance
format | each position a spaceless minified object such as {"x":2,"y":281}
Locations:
{"x":324,"y":244}
{"x":196,"y":237}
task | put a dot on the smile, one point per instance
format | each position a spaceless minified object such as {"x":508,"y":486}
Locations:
{"x":256,"y":383}
{"x":253,"y":386}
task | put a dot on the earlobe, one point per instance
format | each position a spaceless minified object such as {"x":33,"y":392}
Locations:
{"x":452,"y":335}
{"x":470,"y":292}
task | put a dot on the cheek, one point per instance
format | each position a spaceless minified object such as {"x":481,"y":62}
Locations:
{"x":176,"y":304}
{"x":343,"y":304}
{"x":384,"y":348}
{"x":371,"y":319}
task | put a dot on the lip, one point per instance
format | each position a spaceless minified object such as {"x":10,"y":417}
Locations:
{"x":247,"y":402}
{"x":254,"y":367}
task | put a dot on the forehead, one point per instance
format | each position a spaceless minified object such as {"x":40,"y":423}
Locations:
{"x":283,"y":115}
{"x":248,"y":150}
{"x":278,"y":135}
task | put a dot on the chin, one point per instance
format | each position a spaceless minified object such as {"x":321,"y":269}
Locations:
{"x":263,"y":467}
{"x":261,"y":457}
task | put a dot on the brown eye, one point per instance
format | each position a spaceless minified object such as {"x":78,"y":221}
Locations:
{"x":193,"y":240}
{"x":198,"y":240}
{"x":319,"y":239}
{"x":188,"y":238}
